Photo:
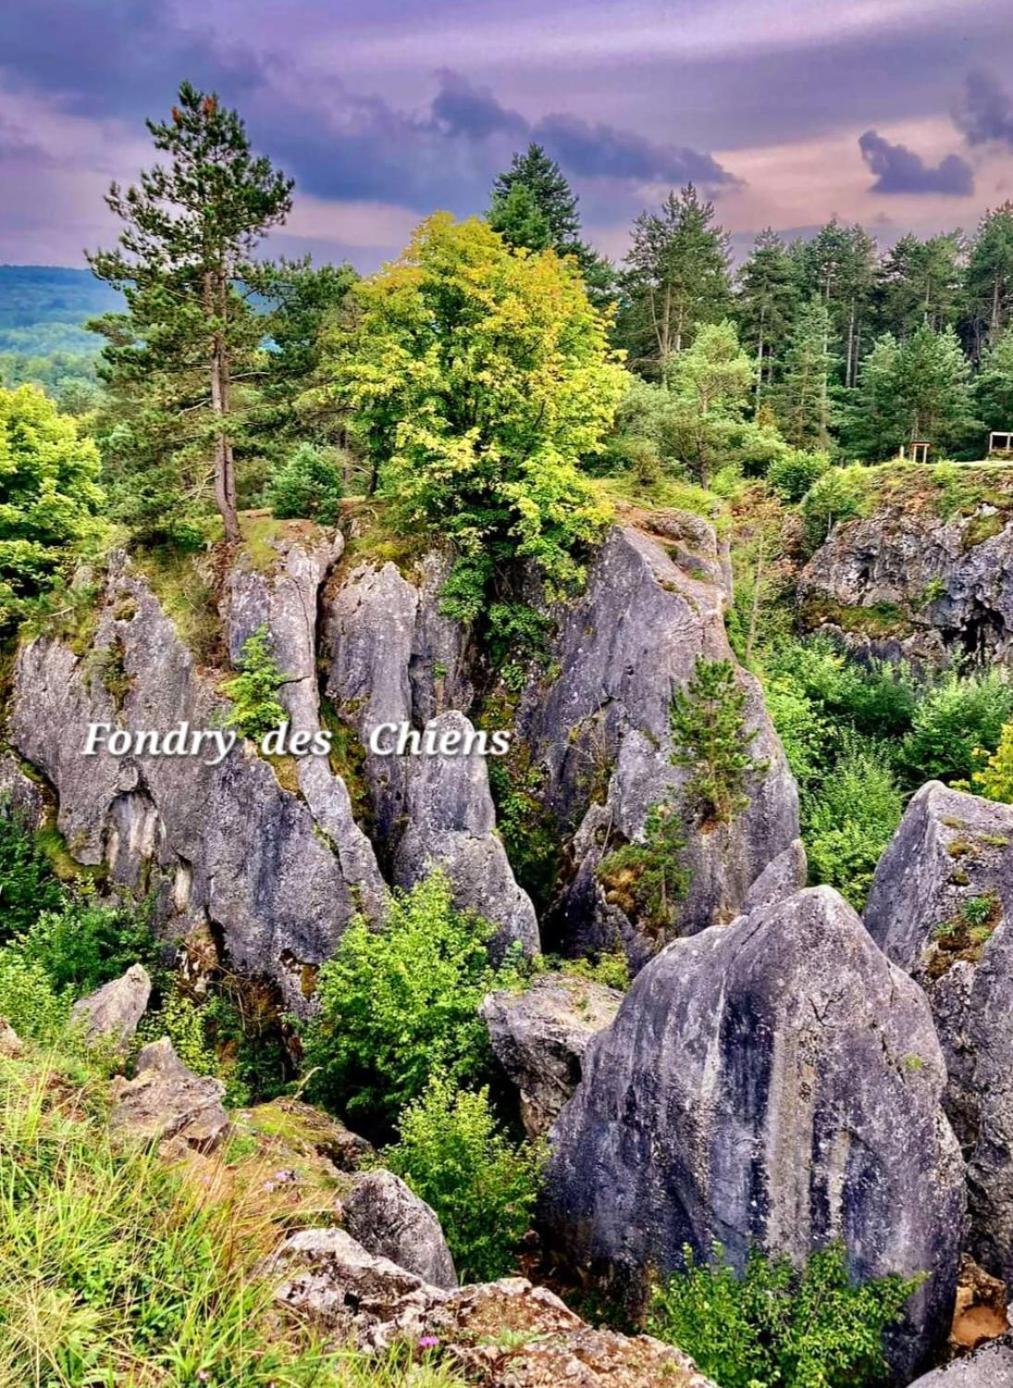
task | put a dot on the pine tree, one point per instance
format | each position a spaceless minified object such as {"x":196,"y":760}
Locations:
{"x":710,"y":384}
{"x":183,"y":258}
{"x":676,"y":279}
{"x":994,"y":386}
{"x":838,"y":267}
{"x":918,"y":283}
{"x":709,"y":736}
{"x":988,"y":284}
{"x":765,"y":305}
{"x":802,"y":400}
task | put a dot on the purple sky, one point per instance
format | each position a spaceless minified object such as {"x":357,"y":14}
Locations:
{"x":898,"y":113}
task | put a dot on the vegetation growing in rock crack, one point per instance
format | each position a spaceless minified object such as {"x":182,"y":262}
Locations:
{"x":710,"y":737}
{"x":256,"y":708}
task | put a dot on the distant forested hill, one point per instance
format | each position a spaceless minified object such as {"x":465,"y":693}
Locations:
{"x":43,"y":309}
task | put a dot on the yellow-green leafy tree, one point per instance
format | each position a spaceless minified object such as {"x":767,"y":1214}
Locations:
{"x":478,"y":376}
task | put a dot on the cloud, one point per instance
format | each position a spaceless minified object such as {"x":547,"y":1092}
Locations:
{"x":602,"y":151}
{"x":984,"y":112}
{"x":462,"y":109}
{"x":899,"y":170}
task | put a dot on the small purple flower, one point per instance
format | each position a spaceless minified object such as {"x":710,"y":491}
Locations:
{"x":428,"y":1342}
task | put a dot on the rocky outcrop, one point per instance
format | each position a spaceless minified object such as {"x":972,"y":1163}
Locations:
{"x":539,"y":1037}
{"x":225,"y":844}
{"x":991,"y":1367}
{"x":20,"y":796}
{"x":913,"y":581}
{"x":776,"y":1081}
{"x":780,"y":879}
{"x":390,"y":1221}
{"x":392,"y":658}
{"x":11,"y":1045}
{"x":113,"y":1012}
{"x":939,"y":907}
{"x":165,"y":1100}
{"x":599,"y":734}
{"x":451,"y":824}
{"x":505,"y":1334}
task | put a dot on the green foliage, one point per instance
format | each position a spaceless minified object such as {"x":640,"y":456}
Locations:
{"x":43,"y":309}
{"x":802,"y":396}
{"x":401,"y":1002}
{"x":851,"y":819}
{"x":709,"y":736}
{"x":795,"y":472}
{"x":776,"y":1327}
{"x":478,"y":378}
{"x":482,"y":1186}
{"x":254,"y":691}
{"x":839,"y":495}
{"x":28,"y":884}
{"x":955,"y":725}
{"x":645,"y":878}
{"x":995,"y":779}
{"x":49,"y":496}
{"x":36,"y":1009}
{"x":529,"y":831}
{"x":85,"y":944}
{"x":308,"y":485}
{"x":611,"y":970}
{"x":710,"y":384}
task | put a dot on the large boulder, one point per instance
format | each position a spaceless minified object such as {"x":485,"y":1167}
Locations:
{"x":390,"y":1221}
{"x":539,"y":1037}
{"x":505,"y":1334}
{"x":20,"y":796}
{"x":990,"y":1367}
{"x":598,"y":734}
{"x":224,"y":844}
{"x":114,"y":1010}
{"x":940,"y":907}
{"x":451,"y":824}
{"x":166,"y":1100}
{"x":776,"y":1082}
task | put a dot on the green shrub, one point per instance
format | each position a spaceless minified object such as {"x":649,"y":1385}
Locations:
{"x":795,"y":471}
{"x":851,"y":818}
{"x":254,"y":691}
{"x":84,"y":945}
{"x":646,"y":879}
{"x":994,"y":780}
{"x":400,"y":1003}
{"x":776,"y":1327}
{"x":28,"y":884}
{"x":308,"y":485}
{"x":955,"y":725}
{"x":35,"y":1008}
{"x":709,"y":736}
{"x":839,"y":495}
{"x":483,"y":1188}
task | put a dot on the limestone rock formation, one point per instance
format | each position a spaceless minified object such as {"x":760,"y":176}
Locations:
{"x":990,"y":1367}
{"x":19,"y":794}
{"x":781,"y":878}
{"x":114,"y":1010}
{"x":599,"y":733}
{"x":774,"y":1081}
{"x":539,"y":1037}
{"x":451,"y":823}
{"x":165,"y":1100}
{"x":390,"y":1221}
{"x":224,"y":844}
{"x":505,"y":1334}
{"x":940,"y":907}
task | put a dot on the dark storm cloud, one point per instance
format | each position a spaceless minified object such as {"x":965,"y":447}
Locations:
{"x":460,"y":108}
{"x":601,"y":151}
{"x":984,"y":112}
{"x":899,"y":170}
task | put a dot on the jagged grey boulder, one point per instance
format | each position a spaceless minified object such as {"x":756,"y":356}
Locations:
{"x":20,"y":796}
{"x":114,"y":1010}
{"x":940,"y":906}
{"x":779,"y":880}
{"x":450,"y":824}
{"x":165,"y":1100}
{"x":990,"y":1367}
{"x":599,"y":734}
{"x":224,"y":844}
{"x":539,"y":1037}
{"x":392,"y":658}
{"x":390,"y":1221}
{"x":775,"y":1081}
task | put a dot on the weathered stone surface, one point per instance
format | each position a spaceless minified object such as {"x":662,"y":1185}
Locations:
{"x":450,"y":824}
{"x":19,"y":794}
{"x":600,"y":734}
{"x":165,"y":1100}
{"x":905,"y":582}
{"x":776,"y":1081}
{"x":11,"y":1045}
{"x":940,"y":906}
{"x":390,"y":1221}
{"x":393,"y":659}
{"x":505,"y":1334}
{"x":224,"y":844}
{"x":539,"y":1037}
{"x":991,"y":1367}
{"x":780,"y":879}
{"x":112,"y":1013}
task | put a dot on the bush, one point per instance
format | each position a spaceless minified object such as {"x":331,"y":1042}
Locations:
{"x":776,"y":1326}
{"x":482,"y":1187}
{"x":851,"y":818}
{"x":28,"y":999}
{"x":646,"y":879}
{"x":84,"y":945}
{"x":995,"y":779}
{"x":838,"y":495}
{"x":954,"y":725}
{"x":401,"y":1003}
{"x":308,"y":485}
{"x":709,"y":736}
{"x":27,"y":882}
{"x":254,"y":691}
{"x":795,"y":471}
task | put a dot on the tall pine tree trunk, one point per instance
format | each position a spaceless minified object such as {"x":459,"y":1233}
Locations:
{"x":221,"y":404}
